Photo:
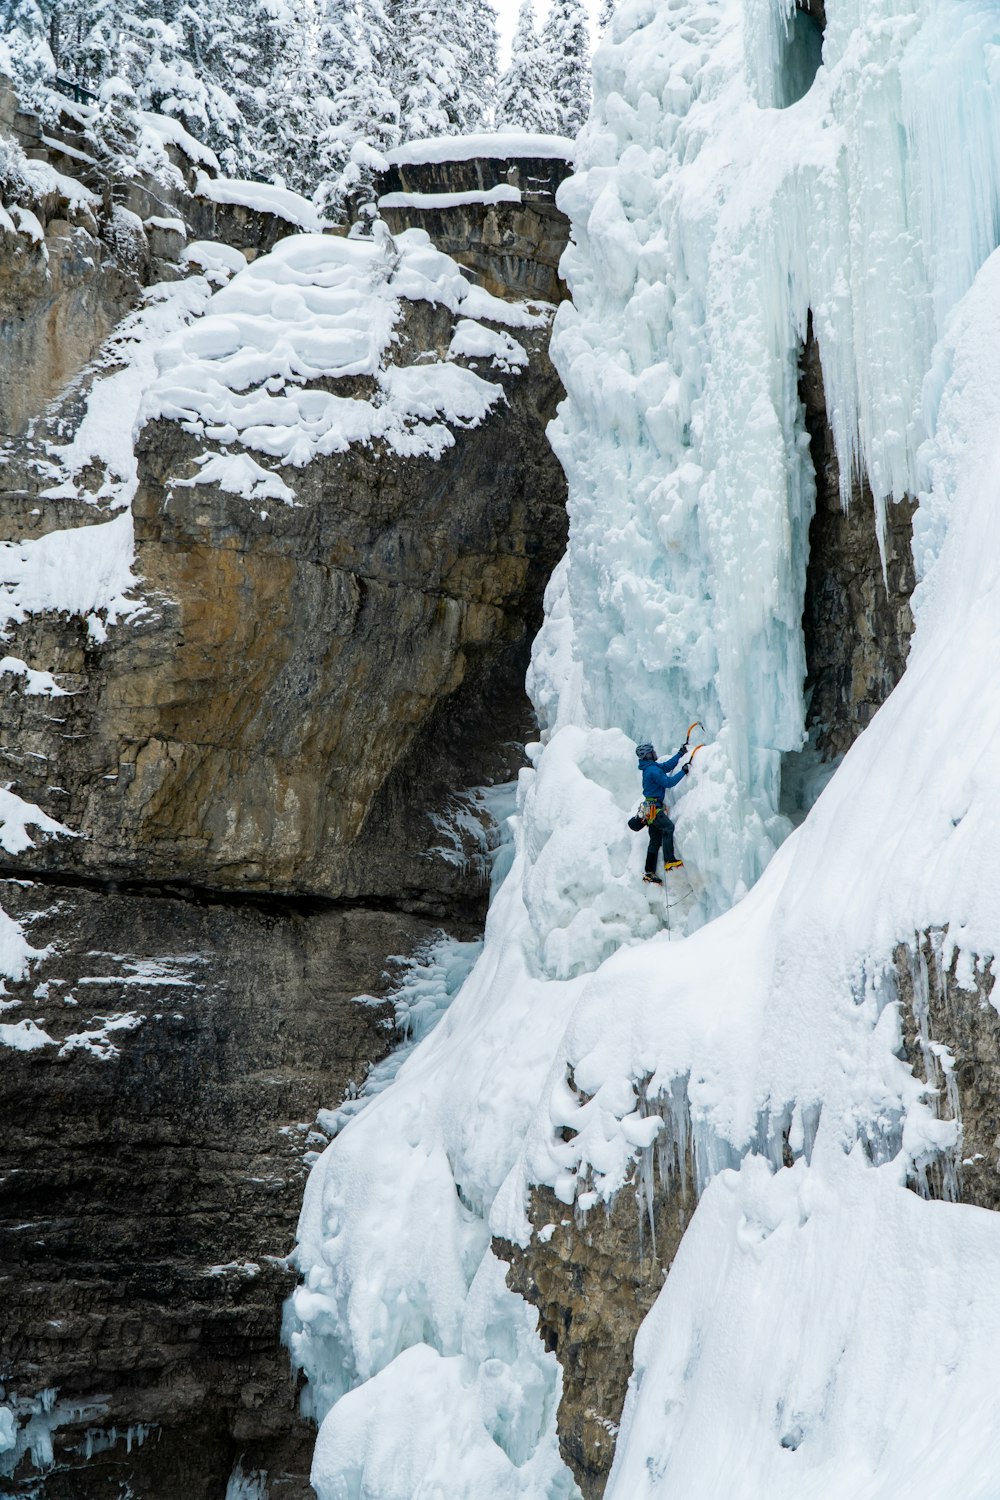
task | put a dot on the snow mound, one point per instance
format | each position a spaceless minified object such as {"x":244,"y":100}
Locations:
{"x":506,"y":145}
{"x":164,"y":130}
{"x":262,"y":198}
{"x":324,"y":306}
{"x":85,"y":570}
{"x":504,"y":192}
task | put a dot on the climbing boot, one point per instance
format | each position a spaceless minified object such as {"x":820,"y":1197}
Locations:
{"x":651,"y":879}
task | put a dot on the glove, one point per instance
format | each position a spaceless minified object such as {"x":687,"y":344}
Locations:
{"x":687,"y":769}
{"x":683,"y":749}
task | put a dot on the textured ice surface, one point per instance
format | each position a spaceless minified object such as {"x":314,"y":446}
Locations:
{"x":705,"y":228}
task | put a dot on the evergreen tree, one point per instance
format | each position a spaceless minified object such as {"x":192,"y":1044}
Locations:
{"x":283,"y":99}
{"x":180,"y":64}
{"x":430,"y":68}
{"x":606,"y":16}
{"x":24,"y":27}
{"x":567,"y":48}
{"x":357,"y":63}
{"x":524,"y":95}
{"x":477,"y":53}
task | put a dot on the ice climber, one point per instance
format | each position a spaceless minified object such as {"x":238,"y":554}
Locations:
{"x":656,"y":778}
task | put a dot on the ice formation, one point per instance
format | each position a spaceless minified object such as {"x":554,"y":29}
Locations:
{"x":824,"y":1331}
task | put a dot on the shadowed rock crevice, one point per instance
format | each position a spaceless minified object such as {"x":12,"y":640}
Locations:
{"x":856,"y":617}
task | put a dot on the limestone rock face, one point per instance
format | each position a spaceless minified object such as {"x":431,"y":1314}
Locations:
{"x":593,"y":1277}
{"x":274,"y":722}
{"x":514,"y":248}
{"x":258,"y":771}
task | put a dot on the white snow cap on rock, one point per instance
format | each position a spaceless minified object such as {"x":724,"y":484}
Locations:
{"x":506,"y":145}
{"x":262,"y":198}
{"x":323,"y":305}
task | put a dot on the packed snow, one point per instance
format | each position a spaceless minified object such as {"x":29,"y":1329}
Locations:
{"x":36,"y":684}
{"x":325,"y":306}
{"x":85,"y":570}
{"x":167,"y":131}
{"x":824,"y":1331}
{"x":504,"y":192}
{"x":505,"y":145}
{"x":262,"y":198}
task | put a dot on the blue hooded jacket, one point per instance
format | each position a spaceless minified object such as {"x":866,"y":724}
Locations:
{"x":655,"y":777}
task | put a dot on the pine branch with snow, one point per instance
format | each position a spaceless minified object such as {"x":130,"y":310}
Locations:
{"x":566,"y":40}
{"x":524,"y":96}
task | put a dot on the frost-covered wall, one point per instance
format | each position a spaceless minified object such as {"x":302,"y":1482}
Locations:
{"x":823,"y":1331}
{"x":707,"y":223}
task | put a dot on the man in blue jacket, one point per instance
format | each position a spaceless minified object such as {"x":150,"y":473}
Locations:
{"x":656,"y":778}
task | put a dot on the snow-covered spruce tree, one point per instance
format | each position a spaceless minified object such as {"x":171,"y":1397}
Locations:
{"x":284,"y":99}
{"x":87,"y":39}
{"x":477,"y":63}
{"x":188,"y":62}
{"x":446,"y":69}
{"x":79,"y":40}
{"x":566,"y":42}
{"x":357,"y":67}
{"x":606,"y":15}
{"x":24,"y":28}
{"x":524,"y":95}
{"x":430,"y":68}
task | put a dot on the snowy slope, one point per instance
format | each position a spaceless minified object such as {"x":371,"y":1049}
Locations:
{"x":824,"y":1331}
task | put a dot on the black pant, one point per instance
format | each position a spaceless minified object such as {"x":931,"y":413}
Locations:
{"x":661,"y":832}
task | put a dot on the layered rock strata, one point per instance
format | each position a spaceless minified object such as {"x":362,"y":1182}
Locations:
{"x":258,"y":772}
{"x":513,"y":246}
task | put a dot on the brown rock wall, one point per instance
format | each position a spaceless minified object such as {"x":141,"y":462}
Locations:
{"x":252,"y":766}
{"x":152,"y":1173}
{"x":242,"y":734}
{"x":593,"y":1277}
{"x":513,"y":248}
{"x":857,"y":620}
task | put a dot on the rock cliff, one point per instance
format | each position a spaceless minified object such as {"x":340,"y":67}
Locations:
{"x":513,"y":242}
{"x":265,"y":780}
